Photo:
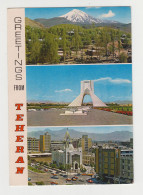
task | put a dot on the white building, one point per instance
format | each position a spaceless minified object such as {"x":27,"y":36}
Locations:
{"x":70,"y":155}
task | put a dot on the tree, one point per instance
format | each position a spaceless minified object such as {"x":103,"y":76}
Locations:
{"x":82,"y":169}
{"x":49,"y":50}
{"x":34,"y":49}
{"x":76,"y":41}
{"x":106,"y":39}
{"x":64,"y":44}
{"x":68,"y":167}
{"x":61,"y":167}
{"x":40,"y":183}
{"x":119,"y":41}
{"x":113,"y":35}
{"x":123,"y":58}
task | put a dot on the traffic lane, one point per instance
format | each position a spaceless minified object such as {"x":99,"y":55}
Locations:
{"x":46,"y":178}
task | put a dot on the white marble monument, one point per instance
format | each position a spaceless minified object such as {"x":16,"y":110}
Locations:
{"x":87,"y":88}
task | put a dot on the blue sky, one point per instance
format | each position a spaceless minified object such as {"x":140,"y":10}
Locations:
{"x":62,"y":83}
{"x":120,"y":14}
{"x":100,"y":129}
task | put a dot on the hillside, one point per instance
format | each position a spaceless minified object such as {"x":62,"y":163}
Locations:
{"x":32,"y":23}
{"x":52,"y":21}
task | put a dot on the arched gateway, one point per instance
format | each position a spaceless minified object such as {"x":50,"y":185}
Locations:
{"x":87,"y":88}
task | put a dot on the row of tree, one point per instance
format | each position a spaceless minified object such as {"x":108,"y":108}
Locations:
{"x":42,"y":45}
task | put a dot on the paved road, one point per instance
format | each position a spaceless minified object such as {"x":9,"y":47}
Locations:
{"x":46,"y":178}
{"x":94,"y":117}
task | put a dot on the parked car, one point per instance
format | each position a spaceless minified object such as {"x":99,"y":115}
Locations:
{"x":89,"y":181}
{"x":68,"y":179}
{"x":74,"y":179}
{"x":90,"y":174}
{"x":93,"y":180}
{"x":65,"y":176}
{"x":55,"y":177}
{"x":54,"y":183}
{"x":84,"y":174}
{"x":78,"y":174}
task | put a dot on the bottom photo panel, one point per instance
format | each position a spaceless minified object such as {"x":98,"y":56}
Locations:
{"x":84,"y":155}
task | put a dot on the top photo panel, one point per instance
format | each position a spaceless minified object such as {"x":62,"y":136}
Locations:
{"x":78,"y":35}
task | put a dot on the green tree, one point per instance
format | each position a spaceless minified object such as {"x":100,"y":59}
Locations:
{"x":113,"y":35}
{"x":40,"y":183}
{"x":64,"y":42}
{"x":35,"y":47}
{"x":123,"y":58}
{"x":61,"y":167}
{"x":76,"y":41}
{"x":68,"y":167}
{"x":119,"y":41}
{"x":83,"y":169}
{"x":49,"y":50}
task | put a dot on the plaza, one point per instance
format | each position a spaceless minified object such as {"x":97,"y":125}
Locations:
{"x":53,"y":117}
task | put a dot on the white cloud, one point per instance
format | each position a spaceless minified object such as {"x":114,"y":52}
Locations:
{"x":63,"y":90}
{"x":115,"y":81}
{"x":108,"y":15}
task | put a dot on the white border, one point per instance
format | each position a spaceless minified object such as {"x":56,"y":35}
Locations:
{"x":137,"y":33}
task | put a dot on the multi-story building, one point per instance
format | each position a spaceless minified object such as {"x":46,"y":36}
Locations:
{"x":33,"y":144}
{"x":58,"y":157}
{"x":88,"y":158}
{"x":107,"y":162}
{"x":45,"y":142}
{"x":131,"y":142}
{"x":86,"y":143}
{"x":126,"y":165}
{"x":57,"y":145}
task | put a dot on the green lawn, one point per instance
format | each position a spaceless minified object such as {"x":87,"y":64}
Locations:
{"x":34,"y":169}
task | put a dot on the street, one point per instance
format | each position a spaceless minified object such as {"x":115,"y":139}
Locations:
{"x":62,"y":180}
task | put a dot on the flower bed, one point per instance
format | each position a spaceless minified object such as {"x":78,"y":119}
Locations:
{"x":129,"y":113}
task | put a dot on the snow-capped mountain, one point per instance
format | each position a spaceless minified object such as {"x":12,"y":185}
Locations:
{"x":81,"y":17}
{"x":78,"y":16}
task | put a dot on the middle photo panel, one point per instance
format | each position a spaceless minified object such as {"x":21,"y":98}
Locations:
{"x":79,"y":95}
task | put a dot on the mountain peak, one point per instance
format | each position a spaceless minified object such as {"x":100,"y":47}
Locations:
{"x":79,"y":16}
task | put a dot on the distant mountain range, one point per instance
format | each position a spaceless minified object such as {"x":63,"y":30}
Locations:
{"x":77,"y":17}
{"x":59,"y":135}
{"x":74,"y":17}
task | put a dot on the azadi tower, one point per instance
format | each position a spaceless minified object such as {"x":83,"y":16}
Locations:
{"x":87,"y":88}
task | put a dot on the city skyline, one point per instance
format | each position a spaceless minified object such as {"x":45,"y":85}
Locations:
{"x":86,"y":129}
{"x":121,"y":13}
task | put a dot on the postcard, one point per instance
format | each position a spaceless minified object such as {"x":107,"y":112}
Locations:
{"x":70,"y":95}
